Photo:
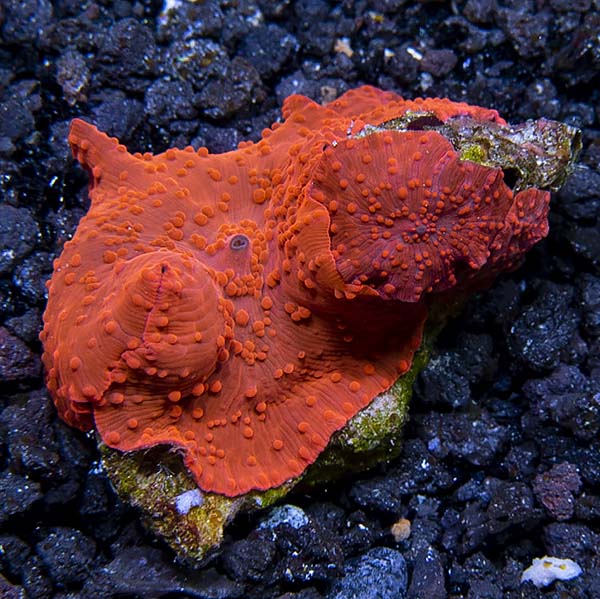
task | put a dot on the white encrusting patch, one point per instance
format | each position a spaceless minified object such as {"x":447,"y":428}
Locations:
{"x":187,"y":500}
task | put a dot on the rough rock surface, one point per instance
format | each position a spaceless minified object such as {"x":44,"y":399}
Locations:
{"x":501,"y":461}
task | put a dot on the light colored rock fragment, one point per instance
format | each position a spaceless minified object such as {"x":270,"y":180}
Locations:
{"x":546,"y":570}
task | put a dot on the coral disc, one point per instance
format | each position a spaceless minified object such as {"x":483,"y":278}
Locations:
{"x":243,"y":307}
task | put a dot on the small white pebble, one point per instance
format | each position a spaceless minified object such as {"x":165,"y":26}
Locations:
{"x":187,"y":500}
{"x":414,"y":53}
{"x":546,"y":570}
{"x":285,"y":514}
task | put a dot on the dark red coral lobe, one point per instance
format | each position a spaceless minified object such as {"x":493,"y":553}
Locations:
{"x":243,"y":307}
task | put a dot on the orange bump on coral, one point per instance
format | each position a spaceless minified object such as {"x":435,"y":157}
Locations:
{"x":243,"y":307}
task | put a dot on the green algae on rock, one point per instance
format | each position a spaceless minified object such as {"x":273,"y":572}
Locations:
{"x":540,"y":153}
{"x":191,"y":522}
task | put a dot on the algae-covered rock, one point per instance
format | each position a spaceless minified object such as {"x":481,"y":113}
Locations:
{"x":536,"y":153}
{"x":172,"y":505}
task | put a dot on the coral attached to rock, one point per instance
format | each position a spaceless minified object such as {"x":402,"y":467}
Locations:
{"x":242,"y":307}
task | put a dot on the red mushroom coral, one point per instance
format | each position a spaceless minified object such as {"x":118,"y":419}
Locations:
{"x":242,"y":307}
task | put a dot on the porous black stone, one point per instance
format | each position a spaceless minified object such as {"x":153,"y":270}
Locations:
{"x":513,"y":382}
{"x":378,"y":574}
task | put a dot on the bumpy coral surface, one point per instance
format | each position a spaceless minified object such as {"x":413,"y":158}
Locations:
{"x":242,"y":307}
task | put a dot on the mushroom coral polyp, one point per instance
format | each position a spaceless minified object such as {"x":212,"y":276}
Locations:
{"x":242,"y":307}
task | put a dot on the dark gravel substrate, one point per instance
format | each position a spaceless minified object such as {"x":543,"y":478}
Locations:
{"x":501,"y":461}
